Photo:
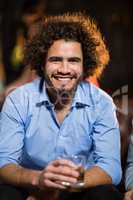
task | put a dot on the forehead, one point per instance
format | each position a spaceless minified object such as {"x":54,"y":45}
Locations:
{"x":61,"y":47}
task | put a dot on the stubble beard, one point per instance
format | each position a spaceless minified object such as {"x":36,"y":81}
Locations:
{"x":60,"y":97}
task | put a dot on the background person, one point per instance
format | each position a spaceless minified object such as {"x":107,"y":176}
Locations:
{"x":129,"y":172}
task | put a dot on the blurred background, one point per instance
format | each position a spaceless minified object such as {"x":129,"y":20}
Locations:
{"x":114,"y":18}
{"x":18,"y":22}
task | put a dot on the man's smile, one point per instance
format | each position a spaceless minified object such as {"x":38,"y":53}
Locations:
{"x":63,"y":77}
{"x":64,"y":65}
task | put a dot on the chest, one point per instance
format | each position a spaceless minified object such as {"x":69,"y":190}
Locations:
{"x":46,"y":124}
{"x":46,"y":139}
{"x":61,"y":115}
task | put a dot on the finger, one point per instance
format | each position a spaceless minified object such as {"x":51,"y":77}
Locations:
{"x":31,"y":198}
{"x":59,"y":177}
{"x":51,"y":184}
{"x":68,"y":163}
{"x":128,"y":196}
{"x":64,"y":170}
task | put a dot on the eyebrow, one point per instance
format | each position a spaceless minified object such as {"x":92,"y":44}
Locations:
{"x":74,"y":59}
{"x":55,"y":58}
{"x":58,"y":58}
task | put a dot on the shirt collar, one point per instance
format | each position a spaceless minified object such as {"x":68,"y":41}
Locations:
{"x":82,"y":98}
{"x":44,"y":99}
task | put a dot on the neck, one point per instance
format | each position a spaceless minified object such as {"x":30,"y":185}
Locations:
{"x":61,"y":99}
{"x":63,"y":105}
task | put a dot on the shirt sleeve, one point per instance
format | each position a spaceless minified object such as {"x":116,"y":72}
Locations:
{"x":11,"y":131}
{"x":106,"y":139}
{"x":129,"y":169}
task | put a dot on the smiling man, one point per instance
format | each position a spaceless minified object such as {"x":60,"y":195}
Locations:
{"x":63,"y":71}
{"x":58,"y":115}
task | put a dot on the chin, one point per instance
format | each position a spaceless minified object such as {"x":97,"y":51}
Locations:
{"x":66,"y":87}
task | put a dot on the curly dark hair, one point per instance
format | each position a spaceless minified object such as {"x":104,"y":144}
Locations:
{"x":70,"y":27}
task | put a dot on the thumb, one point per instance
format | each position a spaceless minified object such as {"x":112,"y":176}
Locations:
{"x":31,"y":198}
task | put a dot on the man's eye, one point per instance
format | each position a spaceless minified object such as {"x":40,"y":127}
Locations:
{"x":74,"y":60}
{"x":54,"y":59}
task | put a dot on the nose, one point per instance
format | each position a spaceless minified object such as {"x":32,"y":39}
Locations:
{"x":64,"y":67}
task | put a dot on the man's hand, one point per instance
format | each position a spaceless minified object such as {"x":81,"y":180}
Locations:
{"x":129,"y":195}
{"x":51,"y":178}
{"x":56,"y":172}
{"x":31,"y":198}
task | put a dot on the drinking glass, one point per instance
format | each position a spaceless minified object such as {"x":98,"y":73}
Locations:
{"x":79,"y":160}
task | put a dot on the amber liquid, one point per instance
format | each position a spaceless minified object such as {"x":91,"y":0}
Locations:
{"x":78,"y":187}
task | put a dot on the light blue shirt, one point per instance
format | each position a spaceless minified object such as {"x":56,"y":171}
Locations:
{"x":31,"y":136}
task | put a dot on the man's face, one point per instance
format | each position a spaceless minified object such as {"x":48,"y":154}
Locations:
{"x":64,"y":65}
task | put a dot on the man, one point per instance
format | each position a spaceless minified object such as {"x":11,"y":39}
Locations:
{"x":60,"y":114}
{"x":129,"y":172}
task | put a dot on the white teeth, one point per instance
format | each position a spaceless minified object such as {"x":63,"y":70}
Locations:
{"x":63,"y":79}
